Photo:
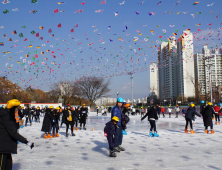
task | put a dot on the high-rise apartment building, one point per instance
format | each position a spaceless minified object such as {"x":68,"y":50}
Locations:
{"x":154,"y":84}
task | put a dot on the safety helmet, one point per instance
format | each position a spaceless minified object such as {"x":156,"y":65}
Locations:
{"x":124,"y":103}
{"x":120,"y":100}
{"x":22,"y":106}
{"x":115,"y":118}
{"x":209,"y":103}
{"x":12,"y":103}
{"x":83,"y":104}
{"x":46,"y":106}
{"x":57,"y":108}
{"x":51,"y":107}
{"x":192,"y":105}
{"x":127,"y":105}
{"x":161,"y":106}
{"x":176,"y":105}
{"x":141,"y":107}
{"x":38,"y":107}
{"x":69,"y":105}
{"x":169,"y":106}
{"x":3,"y":107}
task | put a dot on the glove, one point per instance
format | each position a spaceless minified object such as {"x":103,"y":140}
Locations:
{"x":31,"y":144}
{"x":201,"y":117}
{"x":53,"y":120}
{"x":105,"y":134}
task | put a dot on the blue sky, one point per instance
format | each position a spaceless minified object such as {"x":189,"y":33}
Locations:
{"x":107,"y":50}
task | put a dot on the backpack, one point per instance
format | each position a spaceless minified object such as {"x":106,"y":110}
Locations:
{"x":125,"y":119}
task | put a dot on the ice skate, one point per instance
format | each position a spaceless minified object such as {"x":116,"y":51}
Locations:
{"x":192,"y":132}
{"x":53,"y":135}
{"x":45,"y":136}
{"x":73,"y":128}
{"x":219,"y":123}
{"x":186,"y":131}
{"x":212,"y":132}
{"x":155,"y":135}
{"x":57,"y":135}
{"x":116,"y":149}
{"x":206,"y":131}
{"x":121,"y":148}
{"x":77,"y":128}
{"x":215,"y":123}
{"x":112,"y":153}
{"x":49,"y":136}
{"x":151,"y":134}
{"x":84,"y":128}
{"x":67,"y":135}
{"x":73,"y":134}
{"x":80,"y":128}
{"x":124,"y":132}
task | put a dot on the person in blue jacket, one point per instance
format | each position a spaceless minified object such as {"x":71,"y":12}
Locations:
{"x":118,"y":136}
{"x":109,"y":131}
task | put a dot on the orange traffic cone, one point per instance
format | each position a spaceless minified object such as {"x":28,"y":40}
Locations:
{"x":93,"y":129}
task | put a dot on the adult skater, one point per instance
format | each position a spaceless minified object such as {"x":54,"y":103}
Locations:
{"x":162,"y":110}
{"x":47,"y":122}
{"x":9,"y":134}
{"x":207,"y":117}
{"x":217,"y":117}
{"x":55,"y":124}
{"x":177,"y":109}
{"x":83,"y":116}
{"x":152,"y":117}
{"x":158,"y":109}
{"x":118,"y":136}
{"x":77,"y":113}
{"x":189,"y":116}
{"x":27,"y":116}
{"x":69,"y":120}
{"x":126,"y":109}
{"x":97,"y":110}
{"x":38,"y":112}
{"x":169,"y":111}
{"x":109,"y":131}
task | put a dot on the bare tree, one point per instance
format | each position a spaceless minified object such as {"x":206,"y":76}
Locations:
{"x":92,"y":88}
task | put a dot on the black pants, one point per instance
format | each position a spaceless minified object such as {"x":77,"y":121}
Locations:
{"x":177,"y":114}
{"x":169,"y":115}
{"x":84,"y":124}
{"x":187,"y":121}
{"x":67,"y":126}
{"x":163,"y":114}
{"x":111,"y":142}
{"x":76,"y":123}
{"x":217,"y":117}
{"x":26,"y":121}
{"x":152,"y":125}
{"x":5,"y":161}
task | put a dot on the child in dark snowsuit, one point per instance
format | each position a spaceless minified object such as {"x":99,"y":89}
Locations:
{"x":109,"y":131}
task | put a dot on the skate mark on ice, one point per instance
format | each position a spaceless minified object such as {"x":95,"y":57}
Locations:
{"x":213,"y":167}
{"x":159,"y":160}
{"x":66,"y":145}
{"x":85,"y":158}
{"x":136,"y":164}
{"x":16,"y":166}
{"x":111,"y":169}
{"x":52,"y":156}
{"x":175,"y":146}
{"x":48,"y":162}
{"x":55,"y":144}
{"x":208,"y":153}
{"x":185,"y":157}
{"x":99,"y":148}
{"x":21,"y":150}
{"x":84,"y":154}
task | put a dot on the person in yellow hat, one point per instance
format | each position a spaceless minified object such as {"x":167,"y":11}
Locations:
{"x":47,"y":122}
{"x":9,"y":134}
{"x":69,"y":115}
{"x":83,"y":116}
{"x":207,"y":117}
{"x":109,"y":131}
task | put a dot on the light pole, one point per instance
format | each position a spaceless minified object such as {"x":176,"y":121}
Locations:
{"x":117,"y":94}
{"x":131,"y":85}
{"x":209,"y":70}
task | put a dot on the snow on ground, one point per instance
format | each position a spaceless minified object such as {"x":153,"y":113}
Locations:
{"x":173,"y":150}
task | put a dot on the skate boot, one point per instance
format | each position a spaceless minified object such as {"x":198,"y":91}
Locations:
{"x":73,"y":134}
{"x":124,"y":132}
{"x":73,"y":128}
{"x":49,"y":136}
{"x":155,"y":135}
{"x":57,"y":135}
{"x":84,"y":128}
{"x":212,"y":132}
{"x":192,"y":132}
{"x":45,"y":136}
{"x":206,"y":131}
{"x":67,"y":135}
{"x":219,"y":123}
{"x":53,"y":135}
{"x":77,"y":128}
{"x":121,"y":148}
{"x":116,"y":149}
{"x":80,"y":128}
{"x":151,"y":134}
{"x":193,"y":123}
{"x":215,"y":123}
{"x":112,"y":153}
{"x":186,"y":131}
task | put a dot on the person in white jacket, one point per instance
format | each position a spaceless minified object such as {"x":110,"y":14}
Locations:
{"x":169,"y":111}
{"x":177,"y":109}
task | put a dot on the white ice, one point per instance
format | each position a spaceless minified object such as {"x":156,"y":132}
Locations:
{"x":173,"y":150}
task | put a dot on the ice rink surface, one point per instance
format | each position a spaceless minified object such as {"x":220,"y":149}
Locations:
{"x":173,"y":150}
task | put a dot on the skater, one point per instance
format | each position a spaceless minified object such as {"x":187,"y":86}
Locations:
{"x":97,"y":110}
{"x":169,"y":111}
{"x":183,"y":112}
{"x":9,"y":134}
{"x":77,"y":112}
{"x":189,"y":116}
{"x":109,"y":131}
{"x":133,"y":111}
{"x":55,"y":124}
{"x":142,"y":111}
{"x":105,"y":111}
{"x":63,"y":116}
{"x":33,"y":113}
{"x":207,"y":117}
{"x":152,"y":117}
{"x":126,"y":109}
{"x":38,"y":114}
{"x":27,"y":116}
{"x":118,"y":136}
{"x":83,"y":116}
{"x":177,"y":109}
{"x":47,"y":123}
{"x":124,"y":120}
{"x":158,"y":110}
{"x":217,"y":117}
{"x":69,"y":120}
{"x":162,"y":110}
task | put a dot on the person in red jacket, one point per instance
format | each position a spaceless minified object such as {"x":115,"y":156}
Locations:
{"x":162,"y":110}
{"x":217,"y":117}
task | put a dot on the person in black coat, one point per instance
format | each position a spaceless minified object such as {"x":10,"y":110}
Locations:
{"x":38,"y":111}
{"x":77,"y":113}
{"x":47,"y":123}
{"x":9,"y":134}
{"x":152,"y":117}
{"x":109,"y":131}
{"x":69,"y":117}
{"x":189,"y":116}
{"x":55,"y":124}
{"x":207,"y":117}
{"x":83,"y":116}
